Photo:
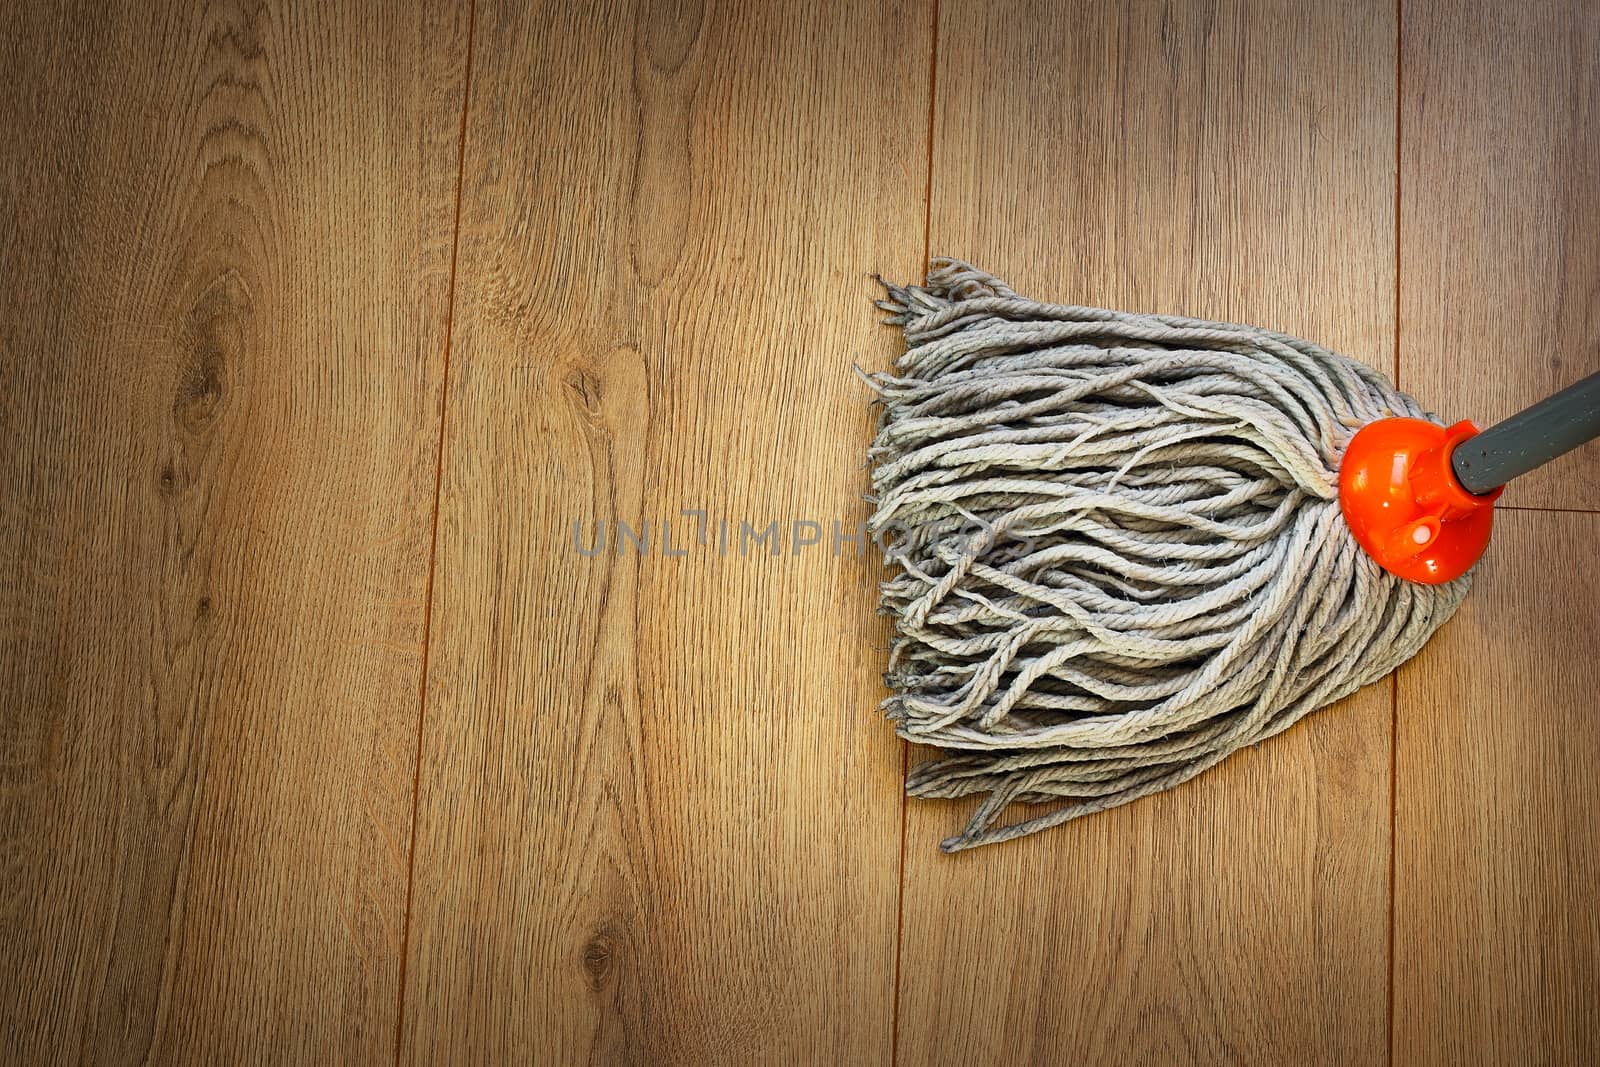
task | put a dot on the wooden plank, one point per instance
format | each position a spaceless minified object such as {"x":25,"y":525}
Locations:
{"x":1233,"y":161}
{"x":659,"y":814}
{"x":224,"y":253}
{"x":1500,"y":172}
{"x":1497,"y":956}
{"x":1497,"y":834}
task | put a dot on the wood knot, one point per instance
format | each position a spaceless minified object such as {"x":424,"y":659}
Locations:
{"x":599,"y":960}
{"x":201,"y":390}
{"x":167,"y":481}
{"x":212,"y":345}
{"x":585,"y":390}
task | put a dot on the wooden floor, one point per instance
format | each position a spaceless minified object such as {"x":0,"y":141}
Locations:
{"x":322,"y":326}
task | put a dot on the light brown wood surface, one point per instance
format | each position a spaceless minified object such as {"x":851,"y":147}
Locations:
{"x":1122,"y":159}
{"x":321,"y":741}
{"x":224,"y":249}
{"x":1497,"y":826}
{"x":659,"y":817}
{"x":1500,"y":194}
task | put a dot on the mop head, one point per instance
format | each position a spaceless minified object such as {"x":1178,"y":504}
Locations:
{"x":1118,"y":546}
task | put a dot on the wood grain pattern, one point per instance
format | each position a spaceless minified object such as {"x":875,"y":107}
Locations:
{"x":1202,"y":160}
{"x":658,"y":816}
{"x":224,"y":239}
{"x":1500,"y":172}
{"x":1497,"y":943}
{"x":1497,"y":950}
{"x":659,"y":812}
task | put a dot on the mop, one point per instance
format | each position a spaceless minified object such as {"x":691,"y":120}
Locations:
{"x":1125,"y":546}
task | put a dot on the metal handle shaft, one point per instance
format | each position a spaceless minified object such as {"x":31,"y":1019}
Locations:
{"x":1530,"y":438}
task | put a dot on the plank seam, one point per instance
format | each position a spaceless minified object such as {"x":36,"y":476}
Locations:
{"x":905,"y":746}
{"x":433,"y":550}
{"x":1555,"y":511}
{"x":1394,"y":679}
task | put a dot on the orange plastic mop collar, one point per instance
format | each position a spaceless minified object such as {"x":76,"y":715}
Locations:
{"x":1404,"y":504}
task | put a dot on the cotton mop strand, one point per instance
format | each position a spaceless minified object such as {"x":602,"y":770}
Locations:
{"x":1118,"y":546}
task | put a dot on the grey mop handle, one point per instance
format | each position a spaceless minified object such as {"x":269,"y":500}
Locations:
{"x":1530,"y":438}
